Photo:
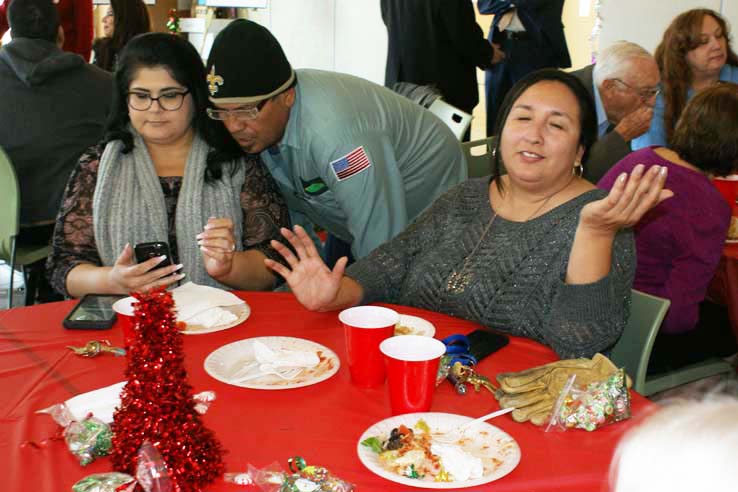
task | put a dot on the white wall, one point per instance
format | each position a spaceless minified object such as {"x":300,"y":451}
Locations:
{"x":644,"y":21}
{"x":340,"y":35}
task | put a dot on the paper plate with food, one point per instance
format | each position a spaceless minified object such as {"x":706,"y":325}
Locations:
{"x":414,"y":449}
{"x":413,"y":325}
{"x":200,"y":309}
{"x":272,"y":363}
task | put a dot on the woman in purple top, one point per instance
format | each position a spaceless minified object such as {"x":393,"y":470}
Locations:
{"x":680,"y":241}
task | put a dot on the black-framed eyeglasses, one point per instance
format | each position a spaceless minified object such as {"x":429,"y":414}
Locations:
{"x":168,"y":101}
{"x":240,"y":114}
{"x":645,"y":93}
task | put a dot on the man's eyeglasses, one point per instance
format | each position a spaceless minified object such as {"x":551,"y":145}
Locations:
{"x":645,"y":93}
{"x":168,"y":101}
{"x":240,"y":114}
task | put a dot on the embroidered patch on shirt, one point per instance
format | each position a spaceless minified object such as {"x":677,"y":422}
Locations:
{"x":352,"y":163}
{"x":314,"y":187}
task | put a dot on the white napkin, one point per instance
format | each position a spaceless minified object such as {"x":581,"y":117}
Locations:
{"x":192,"y":299}
{"x":212,"y":317}
{"x":100,"y":402}
{"x":283,"y":357}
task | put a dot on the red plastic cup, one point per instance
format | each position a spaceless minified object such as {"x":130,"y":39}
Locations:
{"x":365,"y":327}
{"x":124,"y":309}
{"x":412,"y":364}
{"x":728,"y":187}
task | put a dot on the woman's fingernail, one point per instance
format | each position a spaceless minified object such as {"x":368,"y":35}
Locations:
{"x":180,"y":276}
{"x":622,"y":177}
{"x":161,"y":258}
{"x":178,"y":267}
{"x":663,"y":171}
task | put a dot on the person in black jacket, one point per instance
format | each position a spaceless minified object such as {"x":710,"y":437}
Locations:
{"x":531,"y":35}
{"x":437,"y":42}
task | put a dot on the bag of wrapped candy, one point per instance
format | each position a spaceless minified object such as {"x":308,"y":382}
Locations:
{"x":87,"y":439}
{"x":590,"y":407}
{"x":302,"y":478}
{"x":151,"y":476}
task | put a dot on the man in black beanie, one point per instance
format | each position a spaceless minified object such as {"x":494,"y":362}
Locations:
{"x":53,"y":107}
{"x":354,"y":157}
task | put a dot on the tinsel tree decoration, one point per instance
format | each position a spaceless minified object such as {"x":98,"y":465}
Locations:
{"x":156,"y":403}
{"x":173,"y":21}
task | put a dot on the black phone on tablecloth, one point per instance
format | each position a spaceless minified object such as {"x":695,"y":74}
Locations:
{"x":484,"y":342}
{"x":92,"y":312}
{"x":144,"y":251}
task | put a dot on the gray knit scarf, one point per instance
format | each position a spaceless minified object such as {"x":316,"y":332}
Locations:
{"x":129,"y":206}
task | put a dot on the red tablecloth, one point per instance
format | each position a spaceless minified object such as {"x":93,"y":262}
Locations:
{"x":723,"y":288}
{"x":321,"y":423}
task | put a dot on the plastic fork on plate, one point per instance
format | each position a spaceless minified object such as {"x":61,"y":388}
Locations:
{"x":254,"y":370}
{"x":453,"y":435}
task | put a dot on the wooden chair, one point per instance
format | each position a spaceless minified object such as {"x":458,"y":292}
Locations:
{"x":10,"y":252}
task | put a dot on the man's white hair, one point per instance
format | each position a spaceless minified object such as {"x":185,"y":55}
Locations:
{"x":684,"y":447}
{"x":616,"y":60}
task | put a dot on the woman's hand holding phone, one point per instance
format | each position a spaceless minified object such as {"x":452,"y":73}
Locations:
{"x":127,"y":275}
{"x":218,"y":246}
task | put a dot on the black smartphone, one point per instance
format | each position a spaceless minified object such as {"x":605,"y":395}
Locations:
{"x":92,"y":312}
{"x":484,"y":342}
{"x":144,"y":251}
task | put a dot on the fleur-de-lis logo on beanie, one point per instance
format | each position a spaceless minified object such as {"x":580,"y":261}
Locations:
{"x":214,"y":81}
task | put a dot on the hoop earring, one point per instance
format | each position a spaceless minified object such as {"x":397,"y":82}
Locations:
{"x":578,"y":169}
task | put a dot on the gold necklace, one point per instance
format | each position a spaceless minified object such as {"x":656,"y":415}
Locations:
{"x":460,"y":278}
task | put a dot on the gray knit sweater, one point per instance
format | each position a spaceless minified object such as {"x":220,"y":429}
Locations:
{"x":518,"y":272}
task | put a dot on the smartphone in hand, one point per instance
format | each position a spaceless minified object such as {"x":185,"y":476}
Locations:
{"x":92,"y":312}
{"x":145,"y":251}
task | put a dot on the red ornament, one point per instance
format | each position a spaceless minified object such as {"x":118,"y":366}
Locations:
{"x":157,"y":405}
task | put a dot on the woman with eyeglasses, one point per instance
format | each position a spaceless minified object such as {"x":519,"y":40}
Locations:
{"x":694,"y":53}
{"x":162,"y":174}
{"x":680,"y":241}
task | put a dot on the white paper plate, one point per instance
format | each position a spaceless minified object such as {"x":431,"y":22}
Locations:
{"x":418,"y":326}
{"x":484,"y":441}
{"x":242,"y":311}
{"x":228,"y":359}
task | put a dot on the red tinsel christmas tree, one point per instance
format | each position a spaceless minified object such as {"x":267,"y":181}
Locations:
{"x":156,"y":404}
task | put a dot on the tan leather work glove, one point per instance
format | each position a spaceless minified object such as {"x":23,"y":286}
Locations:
{"x":533,"y":392}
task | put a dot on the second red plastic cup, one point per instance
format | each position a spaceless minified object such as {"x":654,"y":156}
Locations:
{"x":412,"y":365}
{"x":124,"y":311}
{"x":365,"y":328}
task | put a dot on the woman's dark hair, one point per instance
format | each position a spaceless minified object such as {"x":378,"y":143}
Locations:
{"x":587,"y":115}
{"x":683,"y":35}
{"x":178,"y":57}
{"x":706,"y":135}
{"x":131,"y":18}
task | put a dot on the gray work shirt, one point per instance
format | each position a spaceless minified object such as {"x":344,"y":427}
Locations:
{"x":361,"y":161}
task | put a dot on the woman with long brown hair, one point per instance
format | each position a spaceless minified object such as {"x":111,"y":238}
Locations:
{"x":694,"y":53}
{"x":130,"y":19}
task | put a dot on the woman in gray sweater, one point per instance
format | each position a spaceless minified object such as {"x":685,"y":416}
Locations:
{"x":538,"y":252}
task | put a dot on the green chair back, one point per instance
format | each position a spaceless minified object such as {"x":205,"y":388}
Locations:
{"x":10,"y":252}
{"x":633,"y":349}
{"x":479,"y":156}
{"x":9,"y":206}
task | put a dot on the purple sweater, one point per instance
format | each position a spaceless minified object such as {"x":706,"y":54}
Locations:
{"x":680,"y":241}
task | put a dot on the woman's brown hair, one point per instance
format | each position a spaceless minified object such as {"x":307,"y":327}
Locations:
{"x":706,"y":134}
{"x":683,"y":35}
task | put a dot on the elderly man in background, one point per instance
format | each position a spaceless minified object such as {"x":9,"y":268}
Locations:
{"x":54,"y":106}
{"x":624,"y":84}
{"x":356,"y":158}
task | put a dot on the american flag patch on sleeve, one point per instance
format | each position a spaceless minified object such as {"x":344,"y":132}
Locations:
{"x":352,"y":163}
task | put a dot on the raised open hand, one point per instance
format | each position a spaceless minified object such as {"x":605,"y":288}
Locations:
{"x":629,"y":199}
{"x":312,"y":282}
